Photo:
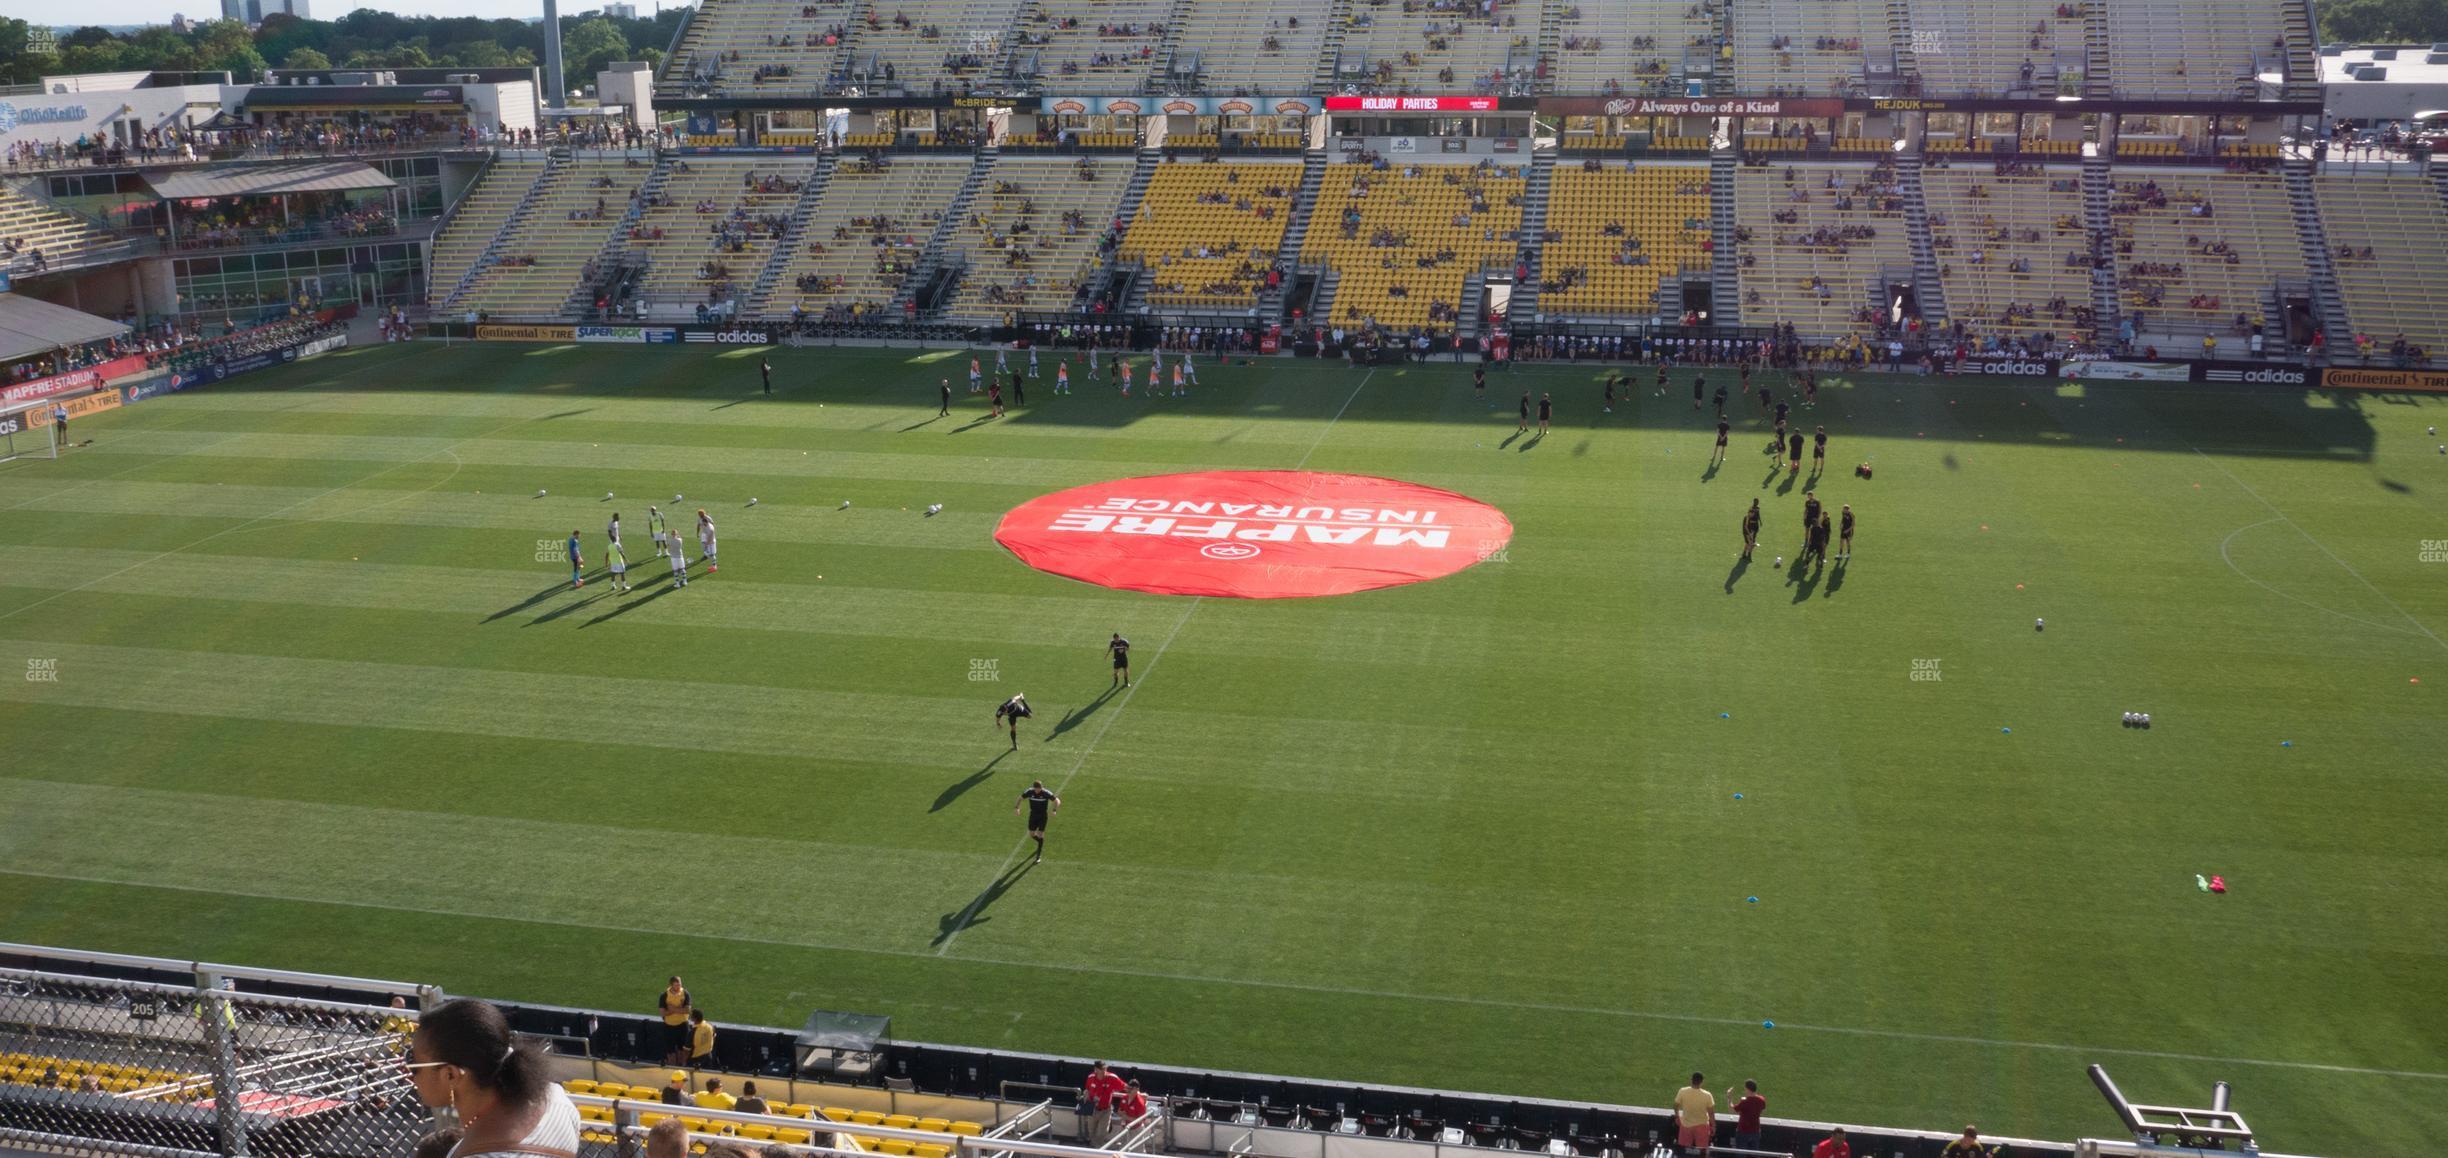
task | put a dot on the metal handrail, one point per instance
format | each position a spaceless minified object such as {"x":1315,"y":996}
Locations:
{"x":240,"y":972}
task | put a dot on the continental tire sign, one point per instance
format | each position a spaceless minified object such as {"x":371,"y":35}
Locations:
{"x":493,"y":333}
{"x":2416,"y":381}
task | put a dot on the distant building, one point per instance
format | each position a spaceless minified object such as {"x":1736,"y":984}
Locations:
{"x":621,"y":11}
{"x":254,"y":11}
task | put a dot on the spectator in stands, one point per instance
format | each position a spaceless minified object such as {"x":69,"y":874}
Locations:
{"x":675,"y":1091}
{"x":1695,"y":1116}
{"x":1098,"y":1092}
{"x":1748,"y":1107}
{"x":1833,"y":1146}
{"x":1132,"y":1105}
{"x":674,"y":1003}
{"x":749,"y":1102}
{"x":714,"y":1098}
{"x":701,"y":1040}
{"x":463,"y":1056}
{"x":1968,"y":1146}
{"x":667,"y":1139}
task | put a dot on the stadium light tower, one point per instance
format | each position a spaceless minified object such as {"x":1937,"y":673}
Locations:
{"x":555,"y":96}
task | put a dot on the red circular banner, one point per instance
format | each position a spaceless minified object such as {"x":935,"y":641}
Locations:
{"x":1253,"y":534}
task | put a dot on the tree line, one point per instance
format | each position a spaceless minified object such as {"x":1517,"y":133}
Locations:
{"x":364,"y":38}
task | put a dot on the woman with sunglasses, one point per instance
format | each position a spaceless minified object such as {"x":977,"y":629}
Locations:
{"x":462,"y":1058}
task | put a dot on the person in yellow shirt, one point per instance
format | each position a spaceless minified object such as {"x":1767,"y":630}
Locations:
{"x":674,"y":1004}
{"x":714,"y":1098}
{"x":701,"y":1040}
{"x":1695,"y":1116}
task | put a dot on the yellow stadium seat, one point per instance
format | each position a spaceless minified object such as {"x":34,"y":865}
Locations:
{"x":797,"y":1110}
{"x":938,"y":1125}
{"x":792,"y":1137}
{"x":901,"y":1121}
{"x":894,"y":1147}
{"x":579,"y":1086}
{"x":757,"y":1133}
{"x":868,"y":1117}
{"x":649,"y":1120}
{"x":932,"y":1150}
{"x":839,"y":1113}
{"x":968,"y":1129}
{"x":695,"y":1125}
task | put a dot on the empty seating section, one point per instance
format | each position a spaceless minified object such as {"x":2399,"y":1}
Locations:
{"x":564,"y":226}
{"x":1803,"y":47}
{"x":763,"y":47}
{"x":1254,"y":47}
{"x":1818,"y":239}
{"x":2388,"y":240}
{"x":1092,"y":47}
{"x":1403,"y":239}
{"x":1438,"y":45}
{"x":481,"y":214}
{"x":32,"y":226}
{"x":1031,"y":234}
{"x":2013,"y":252}
{"x":1207,"y":233}
{"x":1610,"y":47}
{"x":711,"y":225}
{"x":1980,"y":47}
{"x":866,"y":231}
{"x":2188,"y":47}
{"x":1614,"y":233}
{"x":930,"y":43}
{"x":2196,"y":249}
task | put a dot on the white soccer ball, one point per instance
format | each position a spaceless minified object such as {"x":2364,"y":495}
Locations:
{"x":1780,"y":561}
{"x":539,"y":492}
{"x":2039,"y":625}
{"x":752,"y":500}
{"x":2146,"y":719}
{"x":845,"y":505}
{"x":607,"y":494}
{"x":675,"y":498}
{"x":935,"y":509}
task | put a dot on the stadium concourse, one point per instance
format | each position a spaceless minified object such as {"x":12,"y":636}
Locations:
{"x":113,"y":1054}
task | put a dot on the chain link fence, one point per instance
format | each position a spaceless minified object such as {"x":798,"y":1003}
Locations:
{"x":165,"y":1071}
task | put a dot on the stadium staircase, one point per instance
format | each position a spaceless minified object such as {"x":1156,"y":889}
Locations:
{"x":492,"y":246}
{"x":1330,"y":50}
{"x":2439,"y":176}
{"x":2096,"y":83}
{"x":854,"y":22}
{"x":1550,"y":46}
{"x":1927,"y":286}
{"x":2303,"y":81}
{"x":1726,"y":268}
{"x":1160,"y":71}
{"x":1296,"y":231}
{"x":760,"y":295}
{"x":2304,"y":206}
{"x":1132,"y":194}
{"x":616,"y":247}
{"x":931,"y":261}
{"x":679,"y":55}
{"x":1473,"y":306}
{"x":1900,"y":39}
{"x":2098,"y":192}
{"x":1536,"y":189}
{"x":1321,"y":304}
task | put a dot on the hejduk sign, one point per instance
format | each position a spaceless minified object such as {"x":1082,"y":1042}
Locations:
{"x":1254,"y":534}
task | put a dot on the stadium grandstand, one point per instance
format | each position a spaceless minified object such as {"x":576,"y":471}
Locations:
{"x":113,"y":1054}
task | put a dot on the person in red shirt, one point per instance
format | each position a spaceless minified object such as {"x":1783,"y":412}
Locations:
{"x":1132,"y":1105}
{"x":1098,"y":1093}
{"x":1833,"y":1146}
{"x":1747,"y":1109}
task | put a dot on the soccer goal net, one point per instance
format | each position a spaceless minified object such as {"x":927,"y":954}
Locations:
{"x":22,"y":437}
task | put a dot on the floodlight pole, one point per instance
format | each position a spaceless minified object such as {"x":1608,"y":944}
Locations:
{"x":555,"y":96}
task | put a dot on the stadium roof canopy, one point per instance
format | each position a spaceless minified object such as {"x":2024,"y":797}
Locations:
{"x":269,"y":180}
{"x":30,"y":326}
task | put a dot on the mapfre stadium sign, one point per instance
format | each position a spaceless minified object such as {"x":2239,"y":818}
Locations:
{"x":1268,"y":534}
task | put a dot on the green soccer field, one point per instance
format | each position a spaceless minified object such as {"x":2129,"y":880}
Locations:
{"x":306,"y":688}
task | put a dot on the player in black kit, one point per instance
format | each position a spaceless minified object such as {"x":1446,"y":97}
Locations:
{"x":1751,"y":525}
{"x":1718,"y":455}
{"x":1793,"y":462}
{"x":1810,"y":516}
{"x":1525,"y":413}
{"x":1819,"y":451}
{"x":1844,"y":535}
{"x":1040,"y":801}
{"x":1546,"y":411}
{"x":1479,"y":381}
{"x":1015,"y":710}
{"x":1721,"y":395}
{"x":1697,"y":386}
{"x":1120,"y":648}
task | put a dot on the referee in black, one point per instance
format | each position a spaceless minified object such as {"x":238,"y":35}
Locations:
{"x":766,"y":368}
{"x":1120,"y":648}
{"x":1040,"y":802}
